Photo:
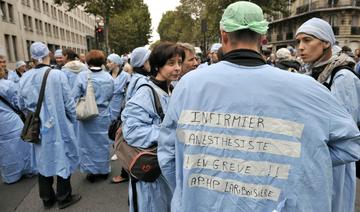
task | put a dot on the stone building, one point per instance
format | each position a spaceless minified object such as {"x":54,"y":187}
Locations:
{"x":343,"y":15}
{"x":23,"y":22}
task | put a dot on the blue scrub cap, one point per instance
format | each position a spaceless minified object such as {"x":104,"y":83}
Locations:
{"x":139,"y":56}
{"x":215,"y":47}
{"x":58,"y":53}
{"x":319,"y":29}
{"x":20,"y":63}
{"x":115,"y":58}
{"x":38,"y":51}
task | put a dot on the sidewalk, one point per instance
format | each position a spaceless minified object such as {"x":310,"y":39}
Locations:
{"x":99,"y":196}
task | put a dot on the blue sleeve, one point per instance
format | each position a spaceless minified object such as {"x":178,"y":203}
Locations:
{"x":168,"y":138}
{"x":68,"y":99}
{"x":77,"y":90}
{"x":118,"y":97}
{"x":346,"y":89}
{"x":141,"y":124}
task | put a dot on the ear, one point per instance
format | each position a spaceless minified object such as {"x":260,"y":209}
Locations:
{"x":326,"y":45}
{"x":224,"y":37}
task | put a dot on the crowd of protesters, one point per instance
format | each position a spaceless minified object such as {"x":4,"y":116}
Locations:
{"x":245,"y":129}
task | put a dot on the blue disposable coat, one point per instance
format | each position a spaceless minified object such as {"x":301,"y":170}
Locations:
{"x":15,"y":154}
{"x":12,"y":76}
{"x":253,"y":139}
{"x":92,"y":135}
{"x":57,"y":152}
{"x":119,"y":94}
{"x":346,"y":88}
{"x":141,"y":125}
{"x":71,"y":70}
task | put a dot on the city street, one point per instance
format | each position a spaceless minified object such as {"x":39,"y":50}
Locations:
{"x":99,"y":196}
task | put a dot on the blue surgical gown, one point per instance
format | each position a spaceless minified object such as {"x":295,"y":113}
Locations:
{"x":92,"y":135}
{"x":57,"y":152}
{"x":141,"y":125}
{"x":253,"y":139}
{"x":120,"y":83}
{"x":346,"y":89}
{"x":16,"y":156}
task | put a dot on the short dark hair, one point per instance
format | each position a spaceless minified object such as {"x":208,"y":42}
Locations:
{"x":95,"y":58}
{"x":70,"y":54}
{"x":161,"y":53}
{"x":244,"y":35}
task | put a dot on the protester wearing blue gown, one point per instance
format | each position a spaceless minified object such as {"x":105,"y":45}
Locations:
{"x":141,"y":123}
{"x":121,"y":79}
{"x":141,"y":69}
{"x":94,"y":144}
{"x":249,"y":137}
{"x":15,"y":154}
{"x":56,"y":154}
{"x":334,"y":70}
{"x":9,"y":74}
{"x":72,"y":66}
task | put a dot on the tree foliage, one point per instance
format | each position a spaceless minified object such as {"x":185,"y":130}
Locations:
{"x":130,"y":28}
{"x":172,"y":27}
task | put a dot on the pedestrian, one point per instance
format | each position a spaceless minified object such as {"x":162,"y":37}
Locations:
{"x":316,"y":39}
{"x":59,"y":59}
{"x":15,"y":155}
{"x":9,"y":74}
{"x":141,"y":122}
{"x":190,"y":62}
{"x":285,"y":61}
{"x":141,"y":69}
{"x":139,"y":60}
{"x":20,"y":68}
{"x":248,"y":137}
{"x":57,"y":153}
{"x":121,"y":80}
{"x":93,"y":141}
{"x":72,"y":66}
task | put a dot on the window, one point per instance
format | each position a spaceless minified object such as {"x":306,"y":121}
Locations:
{"x":60,"y":16}
{"x":25,"y":20}
{"x":66,"y":19}
{"x":14,"y":44}
{"x":40,"y":27}
{"x":11,"y":13}
{"x":8,"y":47}
{"x":3,"y":10}
{"x":36,"y":4}
{"x":30,"y":24}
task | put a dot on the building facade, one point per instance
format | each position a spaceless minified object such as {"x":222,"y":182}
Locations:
{"x":343,"y":15}
{"x":26,"y":21}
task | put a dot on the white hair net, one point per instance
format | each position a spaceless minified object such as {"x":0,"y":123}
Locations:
{"x":115,"y":58}
{"x":139,"y":56}
{"x":38,"y":51}
{"x":319,"y":29}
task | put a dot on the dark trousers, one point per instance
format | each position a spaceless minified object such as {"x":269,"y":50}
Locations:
{"x":63,"y":188}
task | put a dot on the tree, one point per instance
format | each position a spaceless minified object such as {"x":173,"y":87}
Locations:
{"x":209,"y":11}
{"x":104,"y":8}
{"x":131,"y":28}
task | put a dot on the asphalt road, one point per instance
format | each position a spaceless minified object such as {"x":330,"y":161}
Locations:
{"x":99,"y":196}
{"x":23,"y":196}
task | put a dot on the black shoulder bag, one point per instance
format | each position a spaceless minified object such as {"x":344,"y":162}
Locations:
{"x":31,"y":130}
{"x":16,"y":110}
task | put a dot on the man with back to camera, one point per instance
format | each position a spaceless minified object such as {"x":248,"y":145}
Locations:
{"x":267,"y":142}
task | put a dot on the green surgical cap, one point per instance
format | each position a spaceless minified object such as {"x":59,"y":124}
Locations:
{"x":244,"y":15}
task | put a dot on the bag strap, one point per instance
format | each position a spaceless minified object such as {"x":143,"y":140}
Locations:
{"x":8,"y":104}
{"x":134,"y":194}
{"x":158,"y":107}
{"x":123,"y":103}
{"x":42,"y":92}
{"x":333,"y":73}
